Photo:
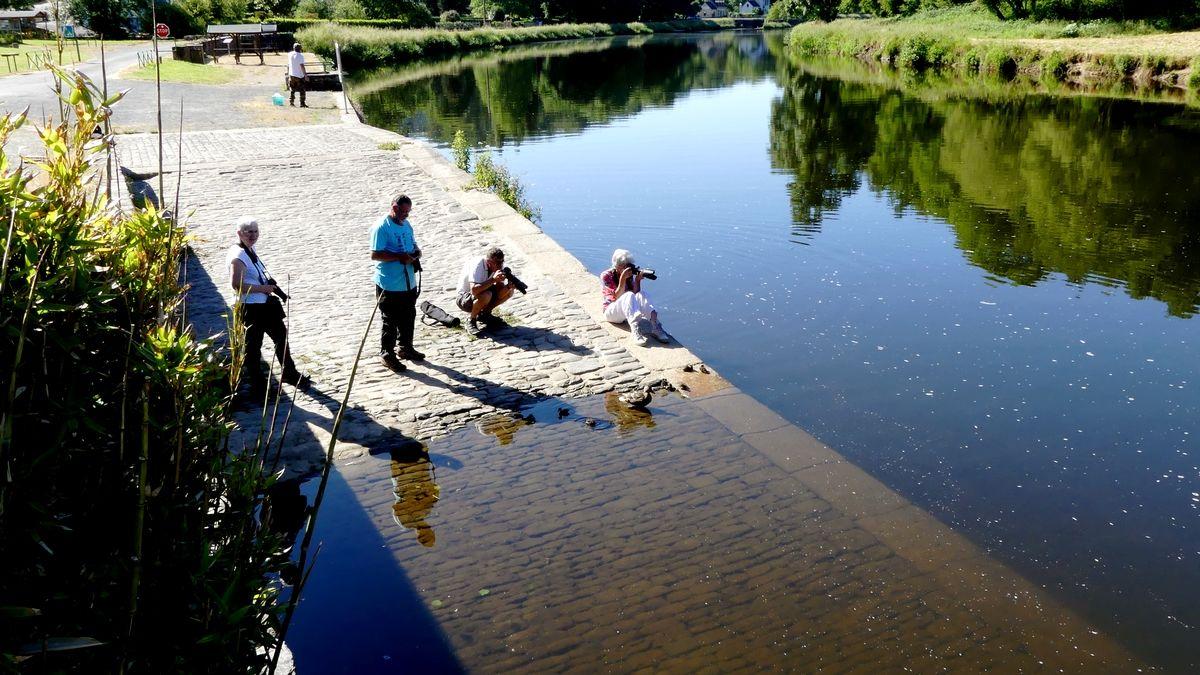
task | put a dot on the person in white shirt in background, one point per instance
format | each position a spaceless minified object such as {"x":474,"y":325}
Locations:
{"x":296,"y":74}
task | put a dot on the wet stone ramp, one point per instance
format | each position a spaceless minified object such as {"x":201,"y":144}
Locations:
{"x":663,"y":542}
{"x":710,"y":535}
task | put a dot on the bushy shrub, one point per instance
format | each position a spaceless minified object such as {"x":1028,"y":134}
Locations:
{"x":294,"y":24}
{"x":362,"y":45}
{"x":449,"y":16}
{"x":999,"y":60}
{"x":462,"y":150}
{"x":1125,"y":64}
{"x":313,"y":9}
{"x":498,"y":179}
{"x":348,"y":9}
{"x":1055,"y":65}
{"x":803,"y":10}
{"x":1194,"y":76}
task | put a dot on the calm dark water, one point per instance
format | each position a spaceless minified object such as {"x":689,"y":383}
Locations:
{"x":986,"y":299}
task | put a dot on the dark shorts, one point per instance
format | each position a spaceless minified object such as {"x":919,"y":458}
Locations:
{"x":465,"y":301}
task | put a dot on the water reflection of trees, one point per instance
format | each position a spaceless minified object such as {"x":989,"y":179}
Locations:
{"x":498,"y":100}
{"x":1093,"y":189}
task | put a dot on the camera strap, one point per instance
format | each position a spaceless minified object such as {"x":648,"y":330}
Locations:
{"x":259,"y":268}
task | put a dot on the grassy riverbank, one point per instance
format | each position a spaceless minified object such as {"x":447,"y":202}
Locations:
{"x":970,"y":39}
{"x":363,"y":46}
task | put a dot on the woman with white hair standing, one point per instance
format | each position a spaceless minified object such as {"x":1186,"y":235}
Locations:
{"x":259,"y":305}
{"x":625,"y":301}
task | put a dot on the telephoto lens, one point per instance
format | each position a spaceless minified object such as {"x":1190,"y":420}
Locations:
{"x":278,"y":291}
{"x":646,"y":273}
{"x":517,"y":283}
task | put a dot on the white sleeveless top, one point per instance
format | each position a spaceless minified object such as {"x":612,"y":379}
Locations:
{"x":254,"y":274}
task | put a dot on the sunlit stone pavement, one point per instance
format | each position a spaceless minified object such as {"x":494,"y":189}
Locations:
{"x":709,"y":536}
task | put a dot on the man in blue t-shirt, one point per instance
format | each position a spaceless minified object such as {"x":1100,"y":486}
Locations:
{"x":397,"y":261}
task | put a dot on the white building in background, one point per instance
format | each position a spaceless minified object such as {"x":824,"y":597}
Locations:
{"x":754,"y":6}
{"x":712,"y":9}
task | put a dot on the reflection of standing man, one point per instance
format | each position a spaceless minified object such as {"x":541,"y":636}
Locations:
{"x":396,"y":255}
{"x":297,"y":75}
{"x":416,"y":493}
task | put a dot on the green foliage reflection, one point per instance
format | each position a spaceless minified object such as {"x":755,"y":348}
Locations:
{"x":1094,"y":189}
{"x":542,"y":90}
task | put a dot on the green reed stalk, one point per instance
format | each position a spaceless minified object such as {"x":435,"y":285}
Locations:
{"x":311,"y":525}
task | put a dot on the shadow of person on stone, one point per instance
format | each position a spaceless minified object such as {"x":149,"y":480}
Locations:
{"x":485,"y":391}
{"x":626,"y":418}
{"x":415,"y":488}
{"x":533,"y":338}
{"x":204,"y":306}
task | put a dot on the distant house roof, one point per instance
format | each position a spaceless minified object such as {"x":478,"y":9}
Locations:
{"x":711,"y":4}
{"x":22,"y":14}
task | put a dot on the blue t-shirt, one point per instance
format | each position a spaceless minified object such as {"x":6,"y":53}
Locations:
{"x":394,"y":237}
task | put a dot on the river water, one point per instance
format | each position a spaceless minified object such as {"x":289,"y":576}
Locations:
{"x":982,"y":293}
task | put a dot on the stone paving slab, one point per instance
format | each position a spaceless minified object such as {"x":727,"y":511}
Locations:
{"x":317,"y":190}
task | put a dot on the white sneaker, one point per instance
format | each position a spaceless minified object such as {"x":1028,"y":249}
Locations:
{"x":659,"y":334}
{"x":641,"y":329}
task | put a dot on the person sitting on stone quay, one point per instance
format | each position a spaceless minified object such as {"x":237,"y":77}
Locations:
{"x":624,"y":300}
{"x":397,"y":261}
{"x":482,"y":287}
{"x":260,"y":309}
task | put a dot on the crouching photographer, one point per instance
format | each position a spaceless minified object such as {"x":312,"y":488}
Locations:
{"x":259,"y":303}
{"x":484,"y":285}
{"x":624,"y":300}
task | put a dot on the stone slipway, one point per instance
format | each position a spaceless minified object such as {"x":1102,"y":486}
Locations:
{"x":316,"y":190}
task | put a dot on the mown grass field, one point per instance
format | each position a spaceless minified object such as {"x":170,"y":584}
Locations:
{"x":182,"y":71}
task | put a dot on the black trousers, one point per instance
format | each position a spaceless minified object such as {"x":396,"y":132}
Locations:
{"x":297,"y":84}
{"x":399,"y":310}
{"x":259,"y":319}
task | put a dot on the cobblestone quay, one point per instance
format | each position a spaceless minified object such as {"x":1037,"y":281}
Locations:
{"x":712,"y":536}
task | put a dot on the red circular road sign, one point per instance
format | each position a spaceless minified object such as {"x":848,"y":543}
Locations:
{"x":162,"y":30}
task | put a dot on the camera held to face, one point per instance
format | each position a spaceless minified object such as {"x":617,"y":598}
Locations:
{"x":646,"y":273}
{"x":278,"y":292}
{"x":516,"y":283}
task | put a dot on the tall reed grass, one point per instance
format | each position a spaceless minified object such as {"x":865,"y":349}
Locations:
{"x":129,"y":529}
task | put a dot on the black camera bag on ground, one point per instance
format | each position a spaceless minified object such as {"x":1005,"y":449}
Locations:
{"x":438,"y":315}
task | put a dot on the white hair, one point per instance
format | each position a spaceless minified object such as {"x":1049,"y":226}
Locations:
{"x":246,"y":222}
{"x":621,"y":257}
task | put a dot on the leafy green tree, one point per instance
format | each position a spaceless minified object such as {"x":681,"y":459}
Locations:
{"x":414,"y":11}
{"x":803,"y":10}
{"x":107,"y":17}
{"x":491,"y":9}
{"x":16,"y":4}
{"x":348,"y":9}
{"x":313,"y":9}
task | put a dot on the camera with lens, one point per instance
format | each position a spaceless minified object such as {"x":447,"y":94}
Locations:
{"x":278,"y":292}
{"x":516,"y":283}
{"x":646,"y":273}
